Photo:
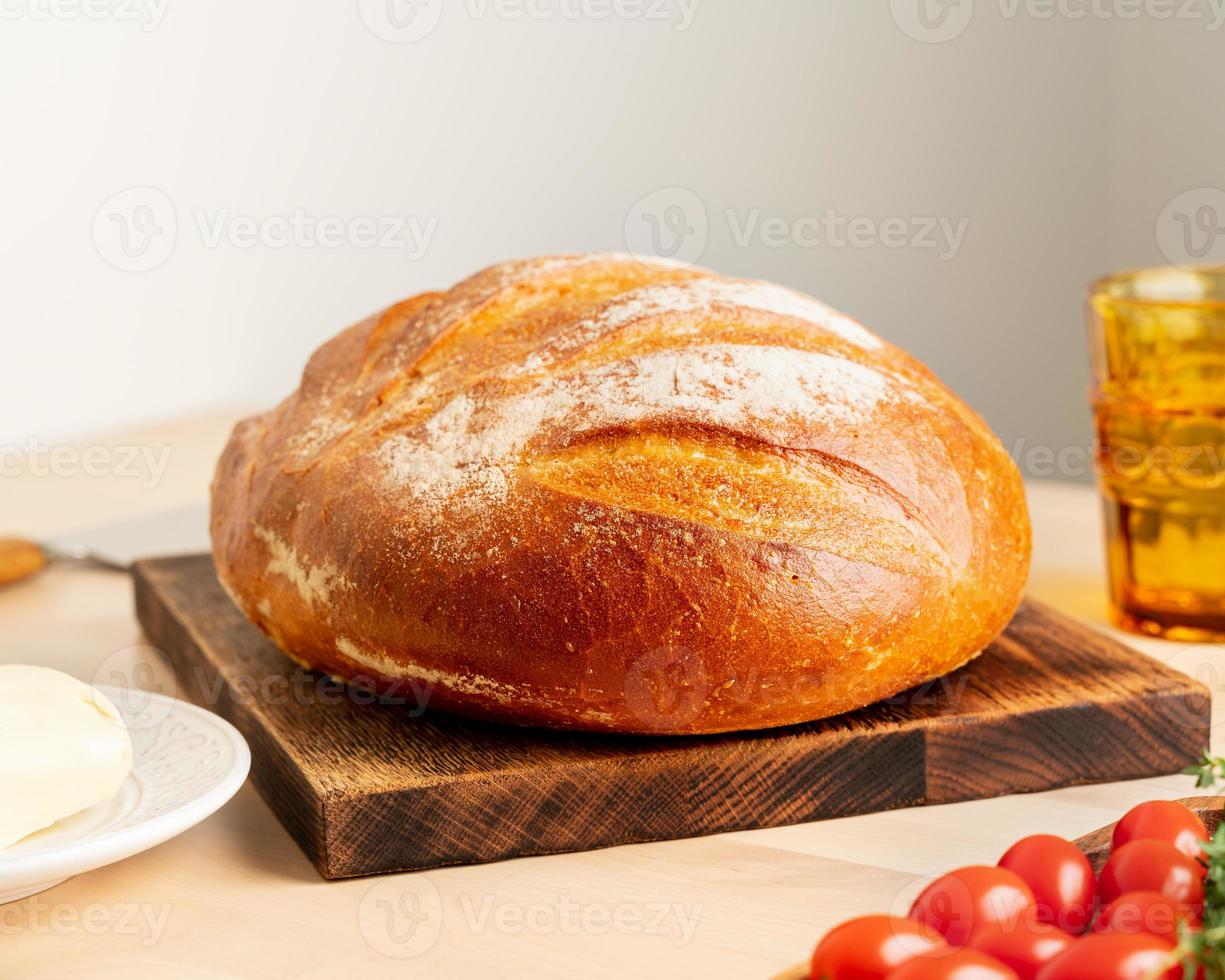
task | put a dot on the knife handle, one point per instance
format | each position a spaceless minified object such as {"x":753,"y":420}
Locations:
{"x":19,"y":559}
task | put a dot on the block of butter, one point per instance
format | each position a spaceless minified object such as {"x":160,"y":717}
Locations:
{"x":63,"y":747}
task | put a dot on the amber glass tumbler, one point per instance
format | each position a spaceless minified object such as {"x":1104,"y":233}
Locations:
{"x":1158,"y":344}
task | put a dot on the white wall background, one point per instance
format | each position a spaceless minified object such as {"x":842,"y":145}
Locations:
{"x":1058,"y":139}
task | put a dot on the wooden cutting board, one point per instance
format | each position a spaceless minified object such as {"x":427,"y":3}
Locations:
{"x":367,"y":788}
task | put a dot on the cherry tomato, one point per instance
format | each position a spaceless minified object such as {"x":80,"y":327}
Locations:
{"x":869,"y":947}
{"x":1152,"y":866}
{"x":1146,"y":912}
{"x":1060,"y":876}
{"x":1103,"y":956}
{"x":961,"y":964}
{"x":1163,"y":820}
{"x":967,"y":899}
{"x":1023,"y":948}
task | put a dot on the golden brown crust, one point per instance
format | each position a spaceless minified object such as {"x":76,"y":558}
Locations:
{"x":601,"y":493}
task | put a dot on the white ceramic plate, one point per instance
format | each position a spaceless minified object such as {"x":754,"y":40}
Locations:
{"x":187,"y":763}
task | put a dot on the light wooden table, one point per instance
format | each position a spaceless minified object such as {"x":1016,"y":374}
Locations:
{"x":234,"y":897}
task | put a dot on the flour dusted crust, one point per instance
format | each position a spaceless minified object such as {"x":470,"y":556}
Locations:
{"x":606,"y":493}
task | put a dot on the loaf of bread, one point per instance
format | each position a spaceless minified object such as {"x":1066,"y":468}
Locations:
{"x":605,"y":493}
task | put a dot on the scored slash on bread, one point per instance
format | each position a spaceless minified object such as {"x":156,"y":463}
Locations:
{"x":609,"y":493}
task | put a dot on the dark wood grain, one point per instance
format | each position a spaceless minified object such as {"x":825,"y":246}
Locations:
{"x":368,"y":787}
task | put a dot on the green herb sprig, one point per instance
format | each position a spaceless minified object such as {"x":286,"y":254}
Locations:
{"x":1202,"y":951}
{"x":1209,"y":772}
